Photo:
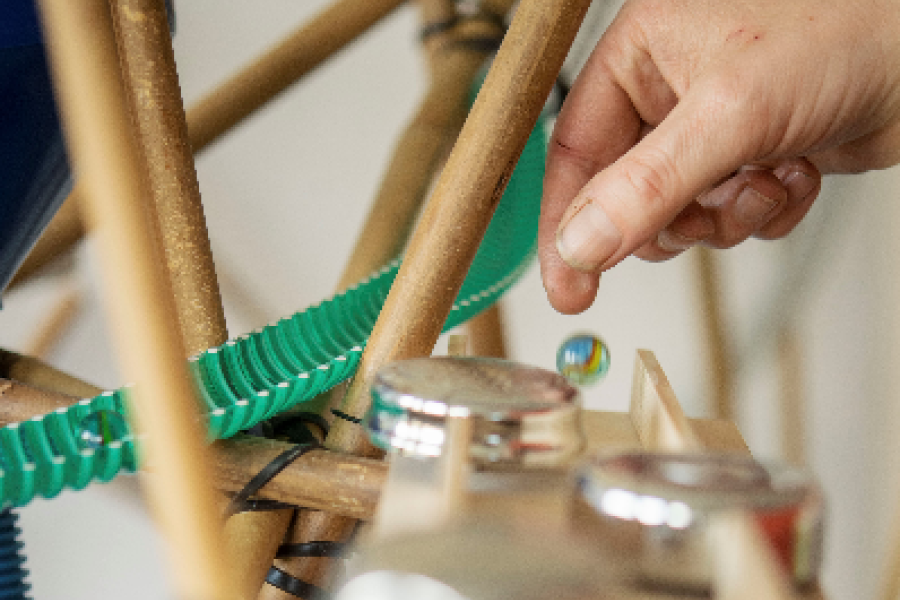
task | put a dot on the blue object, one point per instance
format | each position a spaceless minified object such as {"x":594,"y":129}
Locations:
{"x":12,"y":570}
{"x":34,"y":174}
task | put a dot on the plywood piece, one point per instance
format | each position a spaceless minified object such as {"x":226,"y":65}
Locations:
{"x":657,"y":416}
{"x":745,"y":566}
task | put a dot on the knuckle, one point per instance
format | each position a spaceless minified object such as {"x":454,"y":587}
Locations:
{"x":653,"y":179}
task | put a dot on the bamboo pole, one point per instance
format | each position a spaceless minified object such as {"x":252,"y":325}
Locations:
{"x":64,"y":231}
{"x":718,"y":374}
{"x":56,"y":324}
{"x":417,"y":154}
{"x":151,"y":84}
{"x":82,"y":50}
{"x":151,"y":80}
{"x":302,"y":51}
{"x":39,"y":374}
{"x":792,"y":398}
{"x":456,"y":217}
{"x":488,"y":333}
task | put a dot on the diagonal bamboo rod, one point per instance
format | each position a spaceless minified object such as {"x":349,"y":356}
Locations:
{"x":416,"y":156}
{"x":62,"y":233}
{"x":456,"y":217}
{"x":305,"y":49}
{"x":98,"y":130}
{"x":39,"y":374}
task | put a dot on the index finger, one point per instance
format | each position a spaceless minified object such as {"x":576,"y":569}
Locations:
{"x":598,"y":124}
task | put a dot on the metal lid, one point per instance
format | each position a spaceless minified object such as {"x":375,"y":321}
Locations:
{"x":521,"y":415}
{"x":701,"y":481}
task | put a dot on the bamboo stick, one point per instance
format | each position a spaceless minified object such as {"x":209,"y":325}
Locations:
{"x":791,"y":390}
{"x":457,"y":215}
{"x":890,"y":583}
{"x":64,"y":231}
{"x":56,"y":324}
{"x":404,"y":186}
{"x":98,"y":129}
{"x":488,"y":333}
{"x":152,"y":85}
{"x":455,"y":219}
{"x":301,"y":52}
{"x":718,"y":373}
{"x":39,"y":374}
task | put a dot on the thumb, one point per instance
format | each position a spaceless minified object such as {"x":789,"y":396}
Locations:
{"x":708,"y":135}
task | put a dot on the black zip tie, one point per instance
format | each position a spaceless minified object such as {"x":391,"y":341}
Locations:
{"x":295,"y":587}
{"x":341,"y":414}
{"x":432,"y":29}
{"x":311,"y":549}
{"x":266,"y":474}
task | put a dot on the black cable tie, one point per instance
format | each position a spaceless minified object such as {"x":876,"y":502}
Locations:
{"x":265,"y":475}
{"x":295,"y":587}
{"x":311,"y":549}
{"x":341,"y":414}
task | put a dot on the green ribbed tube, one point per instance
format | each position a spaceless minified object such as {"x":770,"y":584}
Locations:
{"x":255,"y":376}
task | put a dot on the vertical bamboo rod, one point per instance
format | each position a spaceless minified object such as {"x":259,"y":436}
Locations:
{"x":718,"y":373}
{"x":152,"y":86}
{"x":488,"y":333}
{"x":791,"y":391}
{"x":890,"y":583}
{"x":85,"y":67}
{"x":272,"y":73}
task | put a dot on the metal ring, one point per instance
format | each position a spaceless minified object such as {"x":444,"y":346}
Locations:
{"x":655,"y":507}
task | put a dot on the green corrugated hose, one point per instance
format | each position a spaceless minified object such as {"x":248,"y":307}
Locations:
{"x":253,"y":377}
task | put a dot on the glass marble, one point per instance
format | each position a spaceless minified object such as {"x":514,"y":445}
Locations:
{"x":101,"y":428}
{"x":583,"y":359}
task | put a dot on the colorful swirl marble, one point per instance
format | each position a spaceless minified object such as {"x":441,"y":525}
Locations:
{"x":583,"y":359}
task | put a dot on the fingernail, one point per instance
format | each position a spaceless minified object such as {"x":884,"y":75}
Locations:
{"x":674,"y":242}
{"x":751,"y":206}
{"x":588,"y":238}
{"x":799,"y":185}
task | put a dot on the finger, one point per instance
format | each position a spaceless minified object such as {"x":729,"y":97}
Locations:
{"x":693,"y":225}
{"x":598,"y":124}
{"x":742,"y":205}
{"x":803,"y":182}
{"x":709,"y":134}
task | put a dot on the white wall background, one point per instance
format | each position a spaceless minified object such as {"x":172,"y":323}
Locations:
{"x":285,"y":195}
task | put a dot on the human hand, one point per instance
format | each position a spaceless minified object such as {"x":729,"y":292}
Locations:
{"x":704,"y":121}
